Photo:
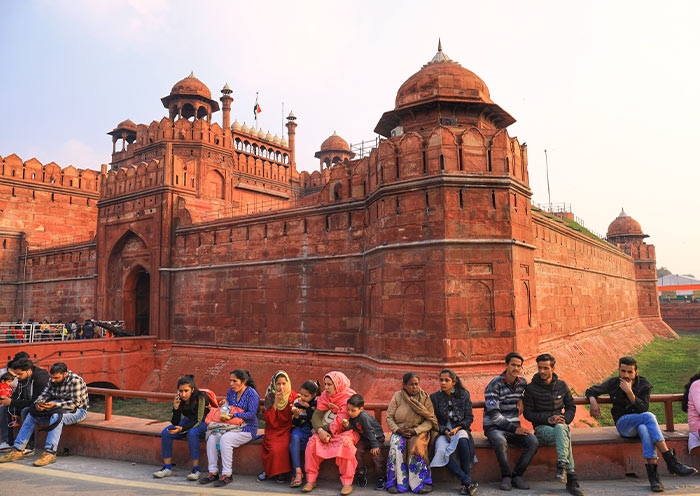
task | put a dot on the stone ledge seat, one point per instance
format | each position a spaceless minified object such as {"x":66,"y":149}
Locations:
{"x":599,"y":453}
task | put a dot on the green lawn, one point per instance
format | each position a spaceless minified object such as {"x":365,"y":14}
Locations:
{"x":668,"y":364}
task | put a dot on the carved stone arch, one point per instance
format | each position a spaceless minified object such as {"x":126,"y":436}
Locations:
{"x":215,"y":184}
{"x":336,"y":191}
{"x":479,"y":306}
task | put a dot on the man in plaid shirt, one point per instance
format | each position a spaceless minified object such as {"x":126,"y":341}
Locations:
{"x":66,"y":390}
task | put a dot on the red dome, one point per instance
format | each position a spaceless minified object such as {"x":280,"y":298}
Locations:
{"x":335,"y":143}
{"x":443,"y":80}
{"x":624,"y":225}
{"x":191,"y":86}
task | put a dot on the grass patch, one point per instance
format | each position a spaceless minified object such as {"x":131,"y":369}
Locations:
{"x":668,"y":364}
{"x":135,"y":407}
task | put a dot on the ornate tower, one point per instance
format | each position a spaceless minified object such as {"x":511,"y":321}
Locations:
{"x":333,"y":150}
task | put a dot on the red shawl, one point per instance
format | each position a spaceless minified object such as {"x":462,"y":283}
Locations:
{"x":337,"y":403}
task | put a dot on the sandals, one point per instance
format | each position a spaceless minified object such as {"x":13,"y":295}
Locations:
{"x":297,"y":480}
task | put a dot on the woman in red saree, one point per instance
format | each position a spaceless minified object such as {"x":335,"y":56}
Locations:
{"x":329,"y":439}
{"x":278,"y":427}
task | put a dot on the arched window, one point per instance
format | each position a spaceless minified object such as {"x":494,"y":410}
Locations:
{"x":286,"y":158}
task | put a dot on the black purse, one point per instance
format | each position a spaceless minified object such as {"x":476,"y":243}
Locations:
{"x":43,"y":417}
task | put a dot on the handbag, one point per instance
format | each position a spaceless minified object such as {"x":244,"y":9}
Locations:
{"x":43,"y":417}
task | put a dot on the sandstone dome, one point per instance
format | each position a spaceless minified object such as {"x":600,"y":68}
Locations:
{"x":335,"y":143}
{"x":624,"y":225}
{"x":442,"y":79}
{"x":191,"y":86}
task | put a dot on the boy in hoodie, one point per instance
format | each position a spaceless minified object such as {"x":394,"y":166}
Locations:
{"x":548,"y":404}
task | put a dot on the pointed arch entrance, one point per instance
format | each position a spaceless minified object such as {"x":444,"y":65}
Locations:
{"x":137,"y":304}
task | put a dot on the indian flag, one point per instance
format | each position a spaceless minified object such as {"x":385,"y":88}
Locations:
{"x":256,"y":108}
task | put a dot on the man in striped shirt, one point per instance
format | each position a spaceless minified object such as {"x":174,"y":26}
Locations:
{"x":503,"y":398}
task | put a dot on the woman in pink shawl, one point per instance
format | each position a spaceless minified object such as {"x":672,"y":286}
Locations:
{"x":329,"y":439}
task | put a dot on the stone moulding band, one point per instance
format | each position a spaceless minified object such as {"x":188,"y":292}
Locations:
{"x":41,"y":281}
{"x":413,"y":244}
{"x":582,"y":269}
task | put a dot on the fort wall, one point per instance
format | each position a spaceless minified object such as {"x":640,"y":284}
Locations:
{"x":681,"y":316}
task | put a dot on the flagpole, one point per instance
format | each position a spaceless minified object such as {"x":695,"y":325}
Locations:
{"x":255,"y":110}
{"x":282,"y":120}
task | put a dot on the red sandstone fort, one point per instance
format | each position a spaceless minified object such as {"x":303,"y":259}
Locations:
{"x":424,"y":253}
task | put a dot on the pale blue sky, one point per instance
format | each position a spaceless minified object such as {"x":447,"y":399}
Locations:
{"x":610,"y":89}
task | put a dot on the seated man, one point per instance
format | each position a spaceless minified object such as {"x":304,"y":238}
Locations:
{"x":630,"y":393}
{"x":67,"y":391}
{"x":548,"y":404}
{"x":503,"y":398}
{"x":31,"y":382}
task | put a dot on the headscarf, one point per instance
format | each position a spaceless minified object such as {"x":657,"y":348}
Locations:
{"x":339,"y":400}
{"x":272,"y":391}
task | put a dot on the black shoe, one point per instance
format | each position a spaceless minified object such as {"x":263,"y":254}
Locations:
{"x":262,"y":476}
{"x":506,"y":483}
{"x":561,"y":472}
{"x":427,"y":488}
{"x":225,"y":479}
{"x":572,"y":485}
{"x":519,"y":482}
{"x":392,"y":490}
{"x":653,"y":474}
{"x":209,"y":478}
{"x":361,"y":476}
{"x":381,"y":484}
{"x":280,"y":478}
{"x":676,"y":467}
{"x":469,"y":488}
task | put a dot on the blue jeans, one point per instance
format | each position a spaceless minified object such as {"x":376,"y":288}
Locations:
{"x":194,"y":438}
{"x":297,"y":445}
{"x":643,"y":425}
{"x":461,"y":469}
{"x":500,"y":441}
{"x":54,"y":435}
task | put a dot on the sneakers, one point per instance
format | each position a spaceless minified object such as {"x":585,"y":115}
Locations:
{"x":361,"y":476}
{"x":561,"y":473}
{"x":28,"y":451}
{"x":262,"y":476}
{"x":506,"y":483}
{"x":519,"y":482}
{"x":346,"y":489}
{"x":5,"y":447}
{"x":676,"y":467}
{"x":209,"y":478}
{"x":225,"y":479}
{"x":194,"y":475}
{"x":46,"y":458}
{"x":163,"y":472}
{"x":381,"y":484}
{"x":12,"y":456}
{"x":572,"y":485}
{"x":469,"y":489}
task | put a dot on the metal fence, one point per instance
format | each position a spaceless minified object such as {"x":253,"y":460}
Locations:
{"x":11,"y":332}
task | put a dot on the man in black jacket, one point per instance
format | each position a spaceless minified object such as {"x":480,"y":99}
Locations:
{"x":548,"y":404}
{"x":629,"y":393}
{"x":31,"y":382}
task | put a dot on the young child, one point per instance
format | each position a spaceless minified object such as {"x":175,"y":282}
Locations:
{"x":371,"y":436}
{"x":302,"y":411}
{"x":6,"y":381}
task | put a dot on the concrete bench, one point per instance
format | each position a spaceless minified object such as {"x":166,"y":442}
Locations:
{"x":600,"y":453}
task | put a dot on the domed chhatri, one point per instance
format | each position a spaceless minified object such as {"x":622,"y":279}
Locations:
{"x":624,"y":229}
{"x":335,"y":143}
{"x":441,"y":82}
{"x":190,"y":97}
{"x":191,"y":86}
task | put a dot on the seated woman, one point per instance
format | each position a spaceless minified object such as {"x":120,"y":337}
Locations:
{"x":278,"y":427}
{"x":453,"y":410}
{"x":410,"y":417}
{"x":190,"y":408}
{"x":242,"y":398}
{"x":329,"y":439}
{"x":691,"y":404}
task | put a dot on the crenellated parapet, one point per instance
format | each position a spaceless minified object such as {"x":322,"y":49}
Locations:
{"x":33,"y":175}
{"x":138,"y":177}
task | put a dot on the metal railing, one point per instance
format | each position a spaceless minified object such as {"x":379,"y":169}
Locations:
{"x":11,"y":332}
{"x":376,"y":408}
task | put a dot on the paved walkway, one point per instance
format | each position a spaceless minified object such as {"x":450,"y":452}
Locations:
{"x":75,"y":475}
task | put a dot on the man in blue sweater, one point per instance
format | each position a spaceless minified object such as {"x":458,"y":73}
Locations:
{"x":503,"y":398}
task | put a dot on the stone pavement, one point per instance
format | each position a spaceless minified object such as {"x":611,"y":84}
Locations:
{"x":75,"y":475}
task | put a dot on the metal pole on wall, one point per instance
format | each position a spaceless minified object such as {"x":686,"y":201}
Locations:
{"x":549,"y":195}
{"x":24,"y":278}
